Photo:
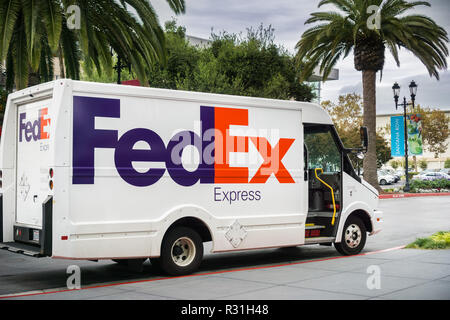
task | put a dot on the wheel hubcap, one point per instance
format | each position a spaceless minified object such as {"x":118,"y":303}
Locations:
{"x":183,"y":251}
{"x":353,"y":236}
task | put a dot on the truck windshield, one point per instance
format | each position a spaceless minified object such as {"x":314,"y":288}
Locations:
{"x":322,"y":148}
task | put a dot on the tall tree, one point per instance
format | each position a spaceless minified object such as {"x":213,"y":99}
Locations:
{"x":347,"y":117}
{"x":33,"y":31}
{"x":367,"y":27}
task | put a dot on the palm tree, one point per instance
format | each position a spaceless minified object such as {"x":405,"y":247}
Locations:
{"x":353,"y":28}
{"x":32,"y":32}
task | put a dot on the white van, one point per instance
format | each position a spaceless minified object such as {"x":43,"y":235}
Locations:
{"x":101,"y":171}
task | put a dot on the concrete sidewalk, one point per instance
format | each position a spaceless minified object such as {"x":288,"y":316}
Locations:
{"x":404,"y":274}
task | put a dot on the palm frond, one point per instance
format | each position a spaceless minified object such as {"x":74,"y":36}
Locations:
{"x":71,"y":52}
{"x":9,"y":12}
{"x":177,"y":6}
{"x":20,"y":55}
{"x":10,"y":75}
{"x":30,"y":9}
{"x":52,"y":16}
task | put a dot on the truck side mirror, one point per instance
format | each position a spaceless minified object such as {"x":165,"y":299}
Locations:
{"x":364,"y":137}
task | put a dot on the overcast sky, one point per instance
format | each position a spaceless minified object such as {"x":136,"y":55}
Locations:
{"x":288,"y":18}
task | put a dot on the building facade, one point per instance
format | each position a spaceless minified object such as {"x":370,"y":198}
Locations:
{"x":384,"y":123}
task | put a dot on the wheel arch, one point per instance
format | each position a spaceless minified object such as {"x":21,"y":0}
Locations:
{"x":188,"y":216}
{"x":361,"y":213}
{"x":196,"y":224}
{"x":364,"y":216}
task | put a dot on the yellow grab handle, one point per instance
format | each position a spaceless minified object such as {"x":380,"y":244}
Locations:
{"x":332,"y":193}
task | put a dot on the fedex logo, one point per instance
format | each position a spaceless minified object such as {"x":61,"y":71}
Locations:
{"x":214,"y":144}
{"x":34,"y":130}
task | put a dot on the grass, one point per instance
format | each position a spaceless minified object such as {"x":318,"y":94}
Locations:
{"x":439,"y":240}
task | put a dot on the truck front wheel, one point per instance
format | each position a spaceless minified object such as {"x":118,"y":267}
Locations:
{"x":181,"y":251}
{"x":353,"y":237}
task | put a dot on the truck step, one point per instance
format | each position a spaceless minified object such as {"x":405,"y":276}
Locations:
{"x":317,"y":240}
{"x":313,"y":226}
{"x":314,"y":214}
{"x":22,"y":248}
{"x":313,"y":230}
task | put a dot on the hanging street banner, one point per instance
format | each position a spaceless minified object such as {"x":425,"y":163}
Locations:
{"x":414,"y":123}
{"x":397,"y":136}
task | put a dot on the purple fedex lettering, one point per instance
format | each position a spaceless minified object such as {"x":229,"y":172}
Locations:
{"x":31,"y":131}
{"x":125,"y":155}
{"x":173,"y":159}
{"x":86,"y":138}
{"x":23,"y":127}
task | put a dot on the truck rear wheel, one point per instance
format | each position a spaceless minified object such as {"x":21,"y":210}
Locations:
{"x":353,"y":237}
{"x":181,"y":252}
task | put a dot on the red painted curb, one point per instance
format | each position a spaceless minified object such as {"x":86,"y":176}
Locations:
{"x":410,"y":195}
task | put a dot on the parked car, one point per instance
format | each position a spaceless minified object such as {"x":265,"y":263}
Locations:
{"x":384,"y":178}
{"x":446,"y":170}
{"x":427,"y":171}
{"x":430,"y":176}
{"x":392,"y":173}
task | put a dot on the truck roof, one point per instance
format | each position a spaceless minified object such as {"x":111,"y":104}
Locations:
{"x":311,"y":112}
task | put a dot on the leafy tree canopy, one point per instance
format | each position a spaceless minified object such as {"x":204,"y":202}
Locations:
{"x":435,"y":129}
{"x":251,"y":65}
{"x":347,"y":117}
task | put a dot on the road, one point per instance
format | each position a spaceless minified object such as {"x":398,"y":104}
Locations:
{"x":404,"y":221}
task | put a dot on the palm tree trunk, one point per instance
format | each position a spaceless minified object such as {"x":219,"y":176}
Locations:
{"x":369,"y":118}
{"x":33,"y":78}
{"x":61,"y":62}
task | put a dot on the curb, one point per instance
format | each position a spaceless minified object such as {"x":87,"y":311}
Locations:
{"x":411,"y":195}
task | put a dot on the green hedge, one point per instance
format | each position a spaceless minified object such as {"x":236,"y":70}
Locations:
{"x":447,"y":163}
{"x":439,"y":240}
{"x":436,"y":184}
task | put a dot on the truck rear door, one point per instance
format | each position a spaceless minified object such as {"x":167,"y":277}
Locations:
{"x":33,"y":160}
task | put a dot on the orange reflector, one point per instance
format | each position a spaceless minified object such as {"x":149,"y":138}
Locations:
{"x":51,"y":184}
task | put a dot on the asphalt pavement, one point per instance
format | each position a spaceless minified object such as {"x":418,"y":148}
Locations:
{"x":382,"y":271}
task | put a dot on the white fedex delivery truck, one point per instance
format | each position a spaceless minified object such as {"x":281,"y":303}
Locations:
{"x":99,"y":171}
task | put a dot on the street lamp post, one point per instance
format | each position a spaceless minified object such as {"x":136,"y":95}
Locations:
{"x":412,"y":91}
{"x":120,"y":66}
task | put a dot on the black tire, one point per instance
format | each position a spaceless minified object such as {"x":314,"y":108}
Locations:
{"x":351,"y":246}
{"x":383,"y":182}
{"x":185,"y":242}
{"x":156,"y":265}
